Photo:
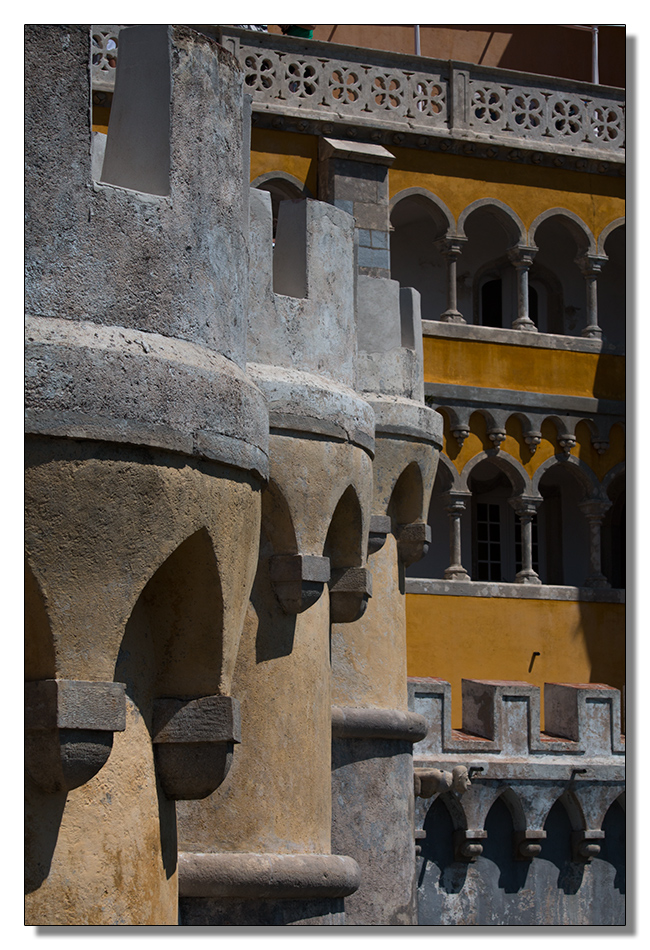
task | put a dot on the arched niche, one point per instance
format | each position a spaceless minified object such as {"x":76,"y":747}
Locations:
{"x":173,"y":641}
{"x":562,"y":525}
{"x":344,"y":541}
{"x":561,"y":237}
{"x":487,"y":288}
{"x":406,"y":501}
{"x":418,"y":221}
{"x":493,"y":521}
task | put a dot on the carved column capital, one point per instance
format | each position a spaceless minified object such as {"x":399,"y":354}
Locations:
{"x":521,"y":255}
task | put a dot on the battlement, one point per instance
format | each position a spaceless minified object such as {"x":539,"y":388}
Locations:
{"x":501,"y":718}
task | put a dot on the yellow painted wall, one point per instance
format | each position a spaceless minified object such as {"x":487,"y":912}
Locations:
{"x":289,"y":152}
{"x":494,"y":638}
{"x":527,"y":189}
{"x":459,"y":180}
{"x":529,"y":369}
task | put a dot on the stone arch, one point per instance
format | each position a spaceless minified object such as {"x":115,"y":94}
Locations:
{"x":509,"y":219}
{"x":419,"y":221}
{"x":407,"y":498}
{"x":579,"y":469}
{"x":343,"y":544}
{"x":573,"y":223}
{"x":605,"y":233}
{"x":513,"y":469}
{"x":429,"y":202}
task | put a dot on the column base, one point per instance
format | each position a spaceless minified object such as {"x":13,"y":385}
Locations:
{"x":456,"y":573}
{"x":525,"y":323}
{"x":592,"y":332}
{"x":527,"y":577}
{"x":452,"y":316}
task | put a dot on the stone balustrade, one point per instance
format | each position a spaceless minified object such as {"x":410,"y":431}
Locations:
{"x":417,"y":101}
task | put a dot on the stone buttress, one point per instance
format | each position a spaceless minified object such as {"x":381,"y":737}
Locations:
{"x":372,"y":728}
{"x":258,"y":851}
{"x":147,"y":448}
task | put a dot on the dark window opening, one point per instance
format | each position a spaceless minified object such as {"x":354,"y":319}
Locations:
{"x":491,"y":303}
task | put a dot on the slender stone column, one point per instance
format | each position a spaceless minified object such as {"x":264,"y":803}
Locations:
{"x":522,"y":259}
{"x":455,"y":505}
{"x":594,"y":511}
{"x":590,"y":267}
{"x":451,"y":249}
{"x":526,"y":509}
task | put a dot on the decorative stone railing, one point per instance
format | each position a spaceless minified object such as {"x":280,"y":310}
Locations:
{"x":416,"y":100}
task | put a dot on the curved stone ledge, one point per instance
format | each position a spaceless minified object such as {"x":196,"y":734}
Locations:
{"x":258,"y":876}
{"x":403,"y":418}
{"x":352,"y":723}
{"x":305,"y":402}
{"x":87,"y":381}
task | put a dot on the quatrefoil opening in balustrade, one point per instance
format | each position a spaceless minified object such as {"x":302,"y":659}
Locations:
{"x":344,"y":86}
{"x":567,"y":117}
{"x":301,"y":78}
{"x":261,"y":72}
{"x":528,"y":111}
{"x":428,"y":98}
{"x":387,"y":91}
{"x":104,"y":51}
{"x":607,"y":124}
{"x":489,"y":104}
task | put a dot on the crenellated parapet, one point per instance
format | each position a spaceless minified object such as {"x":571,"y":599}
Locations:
{"x":502,"y":751}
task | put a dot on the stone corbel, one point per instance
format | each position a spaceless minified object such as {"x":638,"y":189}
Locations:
{"x":532,"y":438}
{"x":497,"y":436}
{"x":460,"y":433}
{"x":585,"y":845}
{"x":69,"y":726}
{"x":350,"y":590}
{"x":527,"y":843}
{"x":600,"y":445}
{"x":567,"y":442}
{"x":193,"y":742}
{"x":413,"y":541}
{"x":430,"y":782}
{"x":468,"y":844}
{"x":298,"y":580}
{"x":380,"y":526}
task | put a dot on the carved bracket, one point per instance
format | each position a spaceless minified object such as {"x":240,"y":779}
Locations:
{"x":468,"y":844}
{"x":413,"y":541}
{"x":527,"y":843}
{"x":350,"y":590}
{"x":585,"y":845}
{"x":298,"y":580}
{"x":194,"y":743}
{"x":380,"y":526}
{"x":69,"y":726}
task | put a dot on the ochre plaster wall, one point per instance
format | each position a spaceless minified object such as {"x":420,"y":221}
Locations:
{"x":458,"y":180}
{"x":527,"y":189}
{"x":494,"y":638}
{"x":285,"y":151}
{"x":528,"y":369}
